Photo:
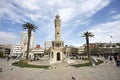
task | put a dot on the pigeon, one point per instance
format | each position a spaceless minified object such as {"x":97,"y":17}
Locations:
{"x":73,"y":78}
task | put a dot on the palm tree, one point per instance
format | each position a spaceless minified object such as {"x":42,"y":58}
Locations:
{"x":87,"y":35}
{"x":30,"y":27}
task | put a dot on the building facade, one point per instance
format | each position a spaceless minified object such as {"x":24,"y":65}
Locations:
{"x":37,"y":53}
{"x":17,"y":50}
{"x":47,"y":44}
{"x":81,"y":50}
{"x":5,"y":49}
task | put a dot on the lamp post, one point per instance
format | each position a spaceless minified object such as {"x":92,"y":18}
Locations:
{"x":111,"y":41}
{"x":111,"y":44}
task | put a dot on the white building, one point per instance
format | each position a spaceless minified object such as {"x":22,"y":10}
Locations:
{"x":39,"y":52}
{"x":24,"y":39}
{"x":5,"y":49}
{"x":81,"y":49}
{"x":48,"y":44}
{"x":17,"y":50}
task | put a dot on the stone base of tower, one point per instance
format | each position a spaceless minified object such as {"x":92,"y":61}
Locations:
{"x":56,"y":55}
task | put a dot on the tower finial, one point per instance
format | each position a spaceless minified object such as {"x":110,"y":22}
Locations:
{"x":57,"y":16}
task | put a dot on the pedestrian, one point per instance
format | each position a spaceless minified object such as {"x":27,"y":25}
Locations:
{"x":11,"y":68}
{"x":118,"y":61}
{"x":8,"y":58}
{"x":115,"y":58}
{"x":105,"y":57}
{"x":111,"y":59}
{"x":1,"y":69}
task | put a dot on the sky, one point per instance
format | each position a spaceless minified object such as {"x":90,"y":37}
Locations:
{"x":101,"y":17}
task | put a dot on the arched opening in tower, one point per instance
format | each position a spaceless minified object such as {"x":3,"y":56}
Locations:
{"x":58,"y":56}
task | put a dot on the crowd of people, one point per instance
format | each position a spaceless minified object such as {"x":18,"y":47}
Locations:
{"x":111,"y":57}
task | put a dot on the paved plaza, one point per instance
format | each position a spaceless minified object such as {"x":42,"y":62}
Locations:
{"x":105,"y":71}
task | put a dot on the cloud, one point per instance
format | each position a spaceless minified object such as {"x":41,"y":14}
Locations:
{"x":11,"y":29}
{"x":7,"y":38}
{"x":35,"y":9}
{"x":103,"y":32}
{"x":113,"y":12}
{"x":10,"y":12}
{"x":78,"y":14}
{"x":66,"y":14}
{"x":116,"y":17}
{"x":73,"y":13}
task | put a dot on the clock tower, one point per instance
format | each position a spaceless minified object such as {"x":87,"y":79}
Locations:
{"x":56,"y":53}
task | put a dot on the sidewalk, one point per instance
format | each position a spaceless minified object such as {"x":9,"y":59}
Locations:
{"x":105,"y":71}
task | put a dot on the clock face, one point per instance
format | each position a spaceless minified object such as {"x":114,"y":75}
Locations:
{"x":57,"y":32}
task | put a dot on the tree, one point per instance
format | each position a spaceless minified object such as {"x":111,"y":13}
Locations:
{"x":74,"y":51}
{"x":1,"y":54}
{"x":107,"y":46}
{"x":118,"y":44}
{"x":87,"y":35}
{"x":94,"y":50}
{"x":113,"y":46}
{"x":100,"y":45}
{"x":30,"y":27}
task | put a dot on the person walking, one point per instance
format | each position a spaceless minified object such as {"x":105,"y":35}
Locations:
{"x":118,"y":61}
{"x":111,"y":59}
{"x":1,"y":69}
